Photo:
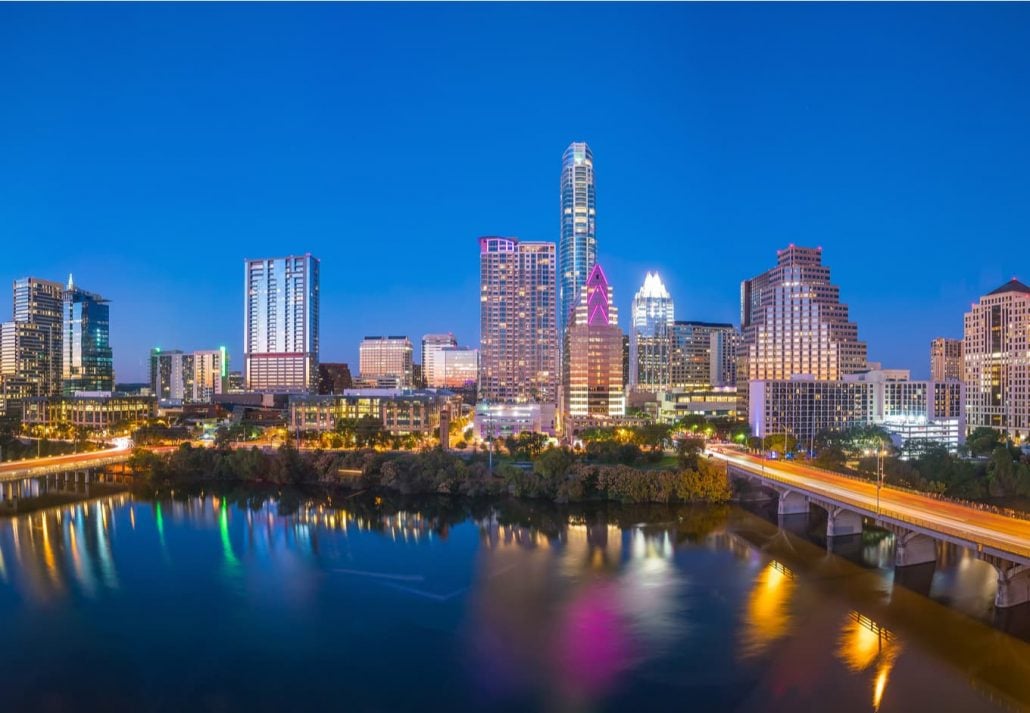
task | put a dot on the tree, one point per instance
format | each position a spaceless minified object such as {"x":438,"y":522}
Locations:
{"x":526,"y":445}
{"x":781,"y":443}
{"x":687,"y":451}
{"x":982,"y":441}
{"x":652,"y":436}
{"x":369,"y":432}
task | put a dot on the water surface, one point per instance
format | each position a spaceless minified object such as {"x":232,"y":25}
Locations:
{"x":246,"y":603}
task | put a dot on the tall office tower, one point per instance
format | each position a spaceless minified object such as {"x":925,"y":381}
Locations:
{"x":996,"y":345}
{"x":171,"y":375}
{"x":460,"y":366}
{"x":594,"y":379}
{"x":280,"y":324}
{"x":432,"y":361}
{"x":793,"y":322}
{"x":210,"y":374}
{"x":86,"y":359}
{"x":946,"y":359}
{"x":518,"y":331}
{"x":702,"y":355}
{"x":40,"y":303}
{"x":577,"y":249}
{"x":386,"y":359}
{"x":653,"y":315}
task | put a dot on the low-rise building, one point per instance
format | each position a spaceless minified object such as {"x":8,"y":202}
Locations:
{"x":401,"y":411}
{"x":803,"y":407}
{"x":94,"y":410}
{"x":503,"y":420}
{"x":713,"y":402}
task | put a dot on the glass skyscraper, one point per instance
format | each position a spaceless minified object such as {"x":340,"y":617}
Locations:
{"x":653,"y":315}
{"x":593,"y":343}
{"x":86,"y":359}
{"x":577,"y":248}
{"x":280,"y":324}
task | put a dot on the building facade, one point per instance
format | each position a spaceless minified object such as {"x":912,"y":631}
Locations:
{"x":996,"y":351}
{"x":518,"y":343}
{"x":946,"y":363}
{"x":401,"y":411}
{"x":87,"y":363}
{"x":577,"y":245}
{"x":93,"y":411}
{"x":334,"y":378}
{"x":432,"y":362}
{"x":280,"y":324}
{"x":594,"y":384}
{"x":32,"y":348}
{"x":803,"y":407}
{"x":460,"y":367}
{"x":794,"y":324}
{"x":210,"y":374}
{"x":384,"y":360}
{"x":702,"y":355}
{"x":653,"y":314}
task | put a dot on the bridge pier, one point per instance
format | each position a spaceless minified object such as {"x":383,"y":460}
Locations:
{"x":1013,"y":585}
{"x":841,"y":522}
{"x":913,"y":548}
{"x":791,"y":503}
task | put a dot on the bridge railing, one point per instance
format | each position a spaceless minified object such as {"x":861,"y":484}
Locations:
{"x":37,"y":470}
{"x":903,"y":519}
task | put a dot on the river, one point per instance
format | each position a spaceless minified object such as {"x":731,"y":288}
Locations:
{"x":249,"y":602}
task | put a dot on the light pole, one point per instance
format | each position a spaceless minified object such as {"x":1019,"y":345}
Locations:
{"x":879,"y":473}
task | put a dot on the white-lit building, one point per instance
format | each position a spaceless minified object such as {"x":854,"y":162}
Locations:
{"x":280,"y":324}
{"x":804,"y":407}
{"x":996,"y":350}
{"x":653,"y":313}
{"x":502,"y":420}
{"x":385,"y":359}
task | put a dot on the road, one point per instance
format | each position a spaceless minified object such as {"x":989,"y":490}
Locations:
{"x":1008,"y":535}
{"x":22,"y":468}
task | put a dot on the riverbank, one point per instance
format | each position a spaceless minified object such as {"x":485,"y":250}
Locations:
{"x":557,"y":475}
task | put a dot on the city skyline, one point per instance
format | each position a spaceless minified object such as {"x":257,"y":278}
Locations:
{"x":849,"y":163}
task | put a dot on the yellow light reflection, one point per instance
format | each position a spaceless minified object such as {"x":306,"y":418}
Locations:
{"x":863,"y":643}
{"x":767,"y":615}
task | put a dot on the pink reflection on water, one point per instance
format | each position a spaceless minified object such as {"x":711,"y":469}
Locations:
{"x":594,"y":644}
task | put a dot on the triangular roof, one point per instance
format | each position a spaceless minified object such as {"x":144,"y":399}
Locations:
{"x":1012,"y":285}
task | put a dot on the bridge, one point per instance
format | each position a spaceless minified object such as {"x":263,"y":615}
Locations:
{"x":917,"y":521}
{"x":35,"y":467}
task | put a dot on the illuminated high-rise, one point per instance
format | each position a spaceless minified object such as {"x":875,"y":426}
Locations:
{"x":518,"y":342}
{"x":593,"y":380}
{"x":946,"y":359}
{"x":280,"y":324}
{"x":386,"y":361}
{"x":793,"y":322}
{"x":577,"y":248}
{"x":653,"y":313}
{"x":86,"y":360}
{"x":432,"y":360}
{"x":996,"y":349}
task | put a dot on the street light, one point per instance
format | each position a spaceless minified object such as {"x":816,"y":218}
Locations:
{"x":879,"y":473}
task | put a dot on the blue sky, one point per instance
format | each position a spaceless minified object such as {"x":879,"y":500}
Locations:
{"x":149,"y":149}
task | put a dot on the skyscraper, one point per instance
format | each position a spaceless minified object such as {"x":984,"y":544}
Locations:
{"x":518,"y":332}
{"x":432,"y":361}
{"x":577,"y":248}
{"x":946,"y":359}
{"x":702,"y":355}
{"x":30,"y":345}
{"x":594,"y":379}
{"x":280,"y":324}
{"x":653,"y":315}
{"x":386,"y":359}
{"x":996,"y":345}
{"x":793,"y":322}
{"x":171,"y":375}
{"x":210,"y":374}
{"x":86,"y":359}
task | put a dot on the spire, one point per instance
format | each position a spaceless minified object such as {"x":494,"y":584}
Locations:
{"x":71,"y":282}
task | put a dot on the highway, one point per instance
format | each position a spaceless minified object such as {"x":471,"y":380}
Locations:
{"x":15,"y":470}
{"x":959,"y":523}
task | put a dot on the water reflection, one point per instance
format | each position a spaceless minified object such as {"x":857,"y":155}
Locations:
{"x":863,"y":643}
{"x":767,"y":617}
{"x":519,"y":606}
